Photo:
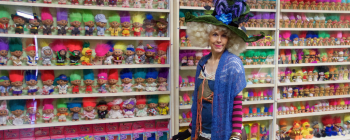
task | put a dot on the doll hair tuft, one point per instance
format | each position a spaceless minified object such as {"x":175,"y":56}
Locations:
{"x":152,"y":99}
{"x":4,"y":44}
{"x":126,"y":73}
{"x":89,"y":101}
{"x":87,"y":16}
{"x":113,"y":74}
{"x":124,"y":16}
{"x":163,"y":99}
{"x":293,"y":36}
{"x":191,"y":53}
{"x":58,"y":45}
{"x":163,"y":45}
{"x":102,"y":74}
{"x":182,"y":33}
{"x":266,"y":15}
{"x":76,"y":102}
{"x":163,"y":73}
{"x":74,"y":45}
{"x":101,"y":49}
{"x":138,"y":17}
{"x":15,"y":44}
{"x":286,"y":34}
{"x":17,"y":105}
{"x":45,"y":14}
{"x":4,"y":13}
{"x":16,"y":75}
{"x":33,"y":104}
{"x":114,"y":17}
{"x":47,"y":104}
{"x":47,"y":75}
{"x":75,"y":75}
{"x":88,"y":74}
{"x":191,"y":79}
{"x":120,"y":45}
{"x":31,"y":75}
{"x":74,"y":15}
{"x":62,"y":14}
{"x":61,"y":103}
{"x":183,"y":54}
{"x":149,"y":20}
{"x":131,"y":101}
{"x":140,"y":73}
{"x":152,"y":73}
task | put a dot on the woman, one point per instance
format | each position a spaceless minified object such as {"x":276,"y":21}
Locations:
{"x":220,"y":76}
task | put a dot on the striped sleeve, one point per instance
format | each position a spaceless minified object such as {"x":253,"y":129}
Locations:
{"x":237,"y":114}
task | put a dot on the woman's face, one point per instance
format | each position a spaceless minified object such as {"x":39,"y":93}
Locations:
{"x":217,"y":41}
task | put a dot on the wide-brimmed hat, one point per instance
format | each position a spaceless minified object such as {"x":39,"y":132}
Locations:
{"x":228,"y":13}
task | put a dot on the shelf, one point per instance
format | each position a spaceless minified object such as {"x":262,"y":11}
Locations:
{"x":260,"y":47}
{"x":188,"y":67}
{"x":184,"y":124}
{"x":346,"y":137}
{"x":313,"y":114}
{"x":82,"y":95}
{"x":193,"y":48}
{"x":187,"y":89}
{"x":313,"y":83}
{"x":185,"y":106}
{"x":257,"y":119}
{"x":245,"y":66}
{"x":314,"y":29}
{"x":259,"y":85}
{"x":312,"y":98}
{"x":311,"y":47}
{"x":202,"y":8}
{"x":84,"y":67}
{"x":84,"y":122}
{"x":83,"y":7}
{"x":311,"y":11}
{"x":248,"y":28}
{"x":83,"y":37}
{"x":313,"y":64}
{"x":257,"y":102}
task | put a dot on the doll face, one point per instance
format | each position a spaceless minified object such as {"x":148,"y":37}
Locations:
{"x":151,"y":80}
{"x":47,"y":22}
{"x":118,"y":52}
{"x":114,"y":24}
{"x":88,"y":82}
{"x":75,"y":109}
{"x":17,"y":83}
{"x":4,"y":20}
{"x":34,"y":22}
{"x":115,"y":107}
{"x":75,"y":82}
{"x":190,"y":58}
{"x":3,"y":113}
{"x":101,"y":81}
{"x":129,"y":53}
{"x":109,"y":53}
{"x":62,"y":52}
{"x":150,"y":54}
{"x":129,"y":106}
{"x":19,"y":20}
{"x":47,"y":52}
{"x":88,"y":108}
{"x":48,"y":111}
{"x":149,"y":25}
{"x":161,"y":26}
{"x":101,"y":24}
{"x":141,"y":106}
{"x":183,"y":38}
{"x":160,"y":52}
{"x":89,"y":23}
{"x":17,"y":53}
{"x":62,"y":110}
{"x":126,"y":80}
{"x":62,"y":82}
{"x":102,"y":107}
{"x":137,"y":24}
{"x":139,"y":80}
{"x":75,"y":23}
{"x":48,"y":82}
{"x":163,"y":105}
{"x":112,"y":81}
{"x":199,"y":57}
{"x":161,"y":79}
{"x":17,"y":112}
{"x":6,"y":83}
{"x":62,"y":22}
{"x":218,"y":41}
{"x":76,"y":53}
{"x":152,"y":105}
{"x":3,"y":53}
{"x":31,"y":53}
{"x":126,"y":24}
{"x":31,"y":82}
{"x":140,"y":52}
{"x":184,"y":58}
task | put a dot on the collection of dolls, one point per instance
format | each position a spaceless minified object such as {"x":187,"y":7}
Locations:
{"x":189,"y":82}
{"x":19,"y":112}
{"x":122,"y":22}
{"x":313,"y":74}
{"x":313,"y":91}
{"x":81,"y":53}
{"x":257,"y":94}
{"x":185,"y":117}
{"x":191,"y":57}
{"x":257,"y":57}
{"x":311,"y":20}
{"x":260,"y":111}
{"x":257,"y":130}
{"x":311,"y":38}
{"x":339,"y":5}
{"x":185,"y":99}
{"x":261,"y":20}
{"x":262,"y":4}
{"x":259,"y":78}
{"x":196,"y":3}
{"x":106,"y":81}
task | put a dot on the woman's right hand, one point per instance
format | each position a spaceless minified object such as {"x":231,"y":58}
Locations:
{"x":182,"y":135}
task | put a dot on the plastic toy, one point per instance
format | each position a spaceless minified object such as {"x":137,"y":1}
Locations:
{"x":89,"y":80}
{"x":162,"y":26}
{"x":5,"y":84}
{"x":16,"y":78}
{"x":74,"y":106}
{"x":34,"y":25}
{"x":101,"y":22}
{"x":62,"y":110}
{"x":114,"y":23}
{"x":130,"y":51}
{"x":152,"y":101}
{"x":126,"y":77}
{"x":141,"y":109}
{"x":162,"y":79}
{"x":306,"y":130}
{"x":149,"y":4}
{"x":87,"y":54}
{"x":151,"y":78}
{"x":125,"y":21}
{"x":89,"y":22}
{"x":19,"y":23}
{"x":118,"y":57}
{"x":75,"y":48}
{"x":60,"y":50}
{"x":89,"y":104}
{"x":149,"y":24}
{"x":47,"y":20}
{"x":102,"y":109}
{"x":47,"y":77}
{"x":17,"y":110}
{"x":162,"y":50}
{"x":140,"y":56}
{"x":137,"y":19}
{"x":115,"y":112}
{"x":31,"y":77}
{"x":112,"y":80}
{"x":15,"y":46}
{"x":61,"y":83}
{"x":150,"y":53}
{"x":102,"y":81}
{"x":328,"y":124}
{"x":139,"y":75}
{"x":5,"y":16}
{"x":75,"y":19}
{"x":129,"y":108}
{"x":75,"y":80}
{"x":46,"y":54}
{"x":48,"y":111}
{"x":163,"y":101}
{"x":31,"y":52}
{"x":4,"y":47}
{"x":101,"y":50}
{"x":32,"y":106}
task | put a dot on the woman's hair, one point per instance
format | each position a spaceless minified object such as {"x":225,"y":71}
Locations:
{"x":198,"y":33}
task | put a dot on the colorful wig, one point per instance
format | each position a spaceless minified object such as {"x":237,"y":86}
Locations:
{"x":120,"y":45}
{"x":75,"y":75}
{"x":101,"y":49}
{"x":74,"y":45}
{"x":152,"y":73}
{"x":163,"y":73}
{"x":17,"y":105}
{"x":87,"y":16}
{"x":114,"y":17}
{"x":33,"y":104}
{"x":75,"y":16}
{"x":62,"y":14}
{"x":124,"y":16}
{"x":140,"y":73}
{"x":31,"y":75}
{"x":47,"y":75}
{"x":164,"y":99}
{"x":58,"y":45}
{"x":88,"y":74}
{"x":125,"y":73}
{"x":45,"y":14}
{"x":4,"y":13}
{"x":113,"y":74}
{"x":61,"y":103}
{"x":138,"y":17}
{"x":16,"y":75}
{"x":15,"y":44}
{"x":152,"y":99}
{"x":163,"y":46}
{"x":89,"y":101}
{"x":102,"y":74}
{"x":47,"y":104}
{"x":4,"y":44}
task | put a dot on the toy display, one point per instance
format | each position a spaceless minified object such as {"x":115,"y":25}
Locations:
{"x":19,"y":23}
{"x":48,"y":110}
{"x":47,"y":77}
{"x":74,"y":47}
{"x":102,"y":109}
{"x":75,"y":19}
{"x":102,"y":81}
{"x":88,"y":80}
{"x":61,"y":83}
{"x":32,"y":81}
{"x":115,"y":106}
{"x":257,"y":111}
{"x":150,"y":53}
{"x":17,"y":111}
{"x":4,"y":23}
{"x":321,"y":20}
{"x":62,"y":110}
{"x":126,"y":76}
{"x":112,"y":80}
{"x":141,"y":109}
{"x":89,"y":104}
{"x":34,"y":25}
{"x":152,"y":101}
{"x":140,"y":56}
{"x":162,"y":24}
{"x":89,"y":22}
{"x":32,"y":110}
{"x":163,"y":101}
{"x":47,"y":21}
{"x":317,"y":5}
{"x":129,"y":108}
{"x":75,"y":80}
{"x":16,"y":78}
{"x":151,"y":77}
{"x":139,"y":76}
{"x":74,"y":106}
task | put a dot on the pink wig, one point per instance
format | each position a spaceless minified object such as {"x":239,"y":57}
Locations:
{"x":58,"y":45}
{"x":254,"y":128}
{"x":48,"y":104}
{"x":303,"y":16}
{"x":101,"y":49}
{"x":291,"y":16}
{"x":288,"y":71}
{"x":102,"y":74}
{"x":286,"y":34}
{"x":339,"y":34}
{"x":288,"y":54}
{"x":45,"y":14}
{"x":186,"y":97}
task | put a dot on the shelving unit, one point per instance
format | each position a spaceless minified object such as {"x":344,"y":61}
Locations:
{"x":311,"y":47}
{"x":313,"y":64}
{"x":67,"y":67}
{"x":83,"y":37}
{"x":313,"y":83}
{"x":313,"y":114}
{"x":311,"y":11}
{"x":312,"y":98}
{"x":314,"y":29}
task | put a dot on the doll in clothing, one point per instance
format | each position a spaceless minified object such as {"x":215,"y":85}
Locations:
{"x":16,"y":78}
{"x":61,"y":83}
{"x":125,"y":21}
{"x":137,"y":19}
{"x":119,"y":48}
{"x":74,"y":106}
{"x":199,"y":55}
{"x":162,"y":79}
{"x":183,"y":57}
{"x":102,"y":81}
{"x":3,"y":113}
{"x":328,"y":125}
{"x":89,"y":80}
{"x":75,"y":80}
{"x":31,"y":78}
{"x":113,"y":80}
{"x":32,"y":59}
{"x":150,"y":54}
{"x":5,"y":84}
{"x":115,"y":112}
{"x":130,"y":51}
{"x":114,"y":23}
{"x":161,"y":4}
{"x":129,"y":108}
{"x":162,"y":50}
{"x":4,"y":48}
{"x":75,"y":19}
{"x":19,"y":23}
{"x":4,"y":24}
{"x":152,"y":101}
{"x":60,"y":50}
{"x":101,"y":22}
{"x":337,"y":126}
{"x":108,"y":59}
{"x":47,"y":77}
{"x":151,"y":78}
{"x":47,"y":20}
{"x":141,"y":109}
{"x":101,"y":50}
{"x":34,"y":24}
{"x":48,"y":111}
{"x":87,"y":57}
{"x":46,"y":54}
{"x":62,"y":110}
{"x":102,"y":109}
{"x":191,"y":56}
{"x":74,"y":47}
{"x":126,"y":3}
{"x":163,"y":102}
{"x":17,"y":111}
{"x":139,"y":76}
{"x":140,"y":56}
{"x":16,"y":51}
{"x":149,"y":24}
{"x":89,"y":104}
{"x":162,"y":26}
{"x":126,"y":76}
{"x":62,"y":21}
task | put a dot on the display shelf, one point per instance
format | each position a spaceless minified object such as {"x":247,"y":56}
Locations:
{"x":313,"y":114}
{"x":313,"y":64}
{"x":187,"y":89}
{"x":313,"y":83}
{"x":82,"y":95}
{"x":245,"y":66}
{"x":83,"y":7}
{"x":312,"y":47}
{"x":257,"y":119}
{"x":260,"y":47}
{"x":83,"y":37}
{"x":185,"y":106}
{"x":84,"y":122}
{"x":202,"y":8}
{"x":346,"y":137}
{"x":248,"y":28}
{"x":257,"y":102}
{"x":184,"y":124}
{"x":248,"y":86}
{"x":84,"y":67}
{"x":194,"y":48}
{"x":311,"y":11}
{"x":314,"y":29}
{"x":312,"y":98}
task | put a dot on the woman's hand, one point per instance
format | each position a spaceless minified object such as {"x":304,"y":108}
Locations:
{"x":182,"y":135}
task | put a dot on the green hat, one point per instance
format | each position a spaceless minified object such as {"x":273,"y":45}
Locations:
{"x":75,"y":16}
{"x":4,"y":13}
{"x":61,"y":103}
{"x":152,"y":99}
{"x":15,"y":44}
{"x":228,"y":15}
{"x":114,"y":17}
{"x":87,"y":16}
